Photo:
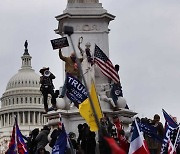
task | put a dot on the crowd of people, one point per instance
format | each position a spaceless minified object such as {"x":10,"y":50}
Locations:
{"x":88,"y":142}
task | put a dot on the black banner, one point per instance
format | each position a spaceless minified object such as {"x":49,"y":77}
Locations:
{"x":59,"y":43}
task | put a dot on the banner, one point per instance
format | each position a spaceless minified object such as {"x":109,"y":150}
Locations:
{"x":76,"y":91}
{"x":87,"y":112}
{"x":59,"y":43}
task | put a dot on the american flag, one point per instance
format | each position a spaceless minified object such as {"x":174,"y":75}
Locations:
{"x":105,"y":65}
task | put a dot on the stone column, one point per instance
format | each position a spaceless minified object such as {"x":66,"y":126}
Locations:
{"x":1,"y":122}
{"x":39,"y":116}
{"x":8,"y":119}
{"x":41,"y":119}
{"x":23,"y":119}
{"x":12,"y":117}
{"x":18,"y":117}
{"x":4,"y":119}
{"x":34,"y":118}
{"x":29,"y":117}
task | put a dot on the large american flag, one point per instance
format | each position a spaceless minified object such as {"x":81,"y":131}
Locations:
{"x":105,"y":65}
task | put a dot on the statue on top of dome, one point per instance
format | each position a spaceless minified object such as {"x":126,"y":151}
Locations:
{"x":26,"y":49}
{"x":26,"y":44}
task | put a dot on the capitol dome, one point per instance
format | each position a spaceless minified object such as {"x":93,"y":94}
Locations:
{"x":22,"y":98}
{"x":24,"y":78}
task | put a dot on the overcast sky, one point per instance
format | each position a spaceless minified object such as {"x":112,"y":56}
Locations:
{"x":144,"y":41}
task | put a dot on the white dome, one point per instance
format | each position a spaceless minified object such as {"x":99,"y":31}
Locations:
{"x":24,"y":78}
{"x":22,"y":99}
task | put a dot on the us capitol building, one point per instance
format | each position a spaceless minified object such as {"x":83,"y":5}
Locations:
{"x":22,"y":99}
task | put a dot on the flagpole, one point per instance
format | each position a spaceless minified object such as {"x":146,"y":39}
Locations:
{"x":137,"y":126}
{"x":60,"y":119}
{"x":177,"y":136}
{"x":15,"y":132}
{"x":69,"y":31}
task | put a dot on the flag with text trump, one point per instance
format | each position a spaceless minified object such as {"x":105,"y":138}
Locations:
{"x":76,"y":91}
{"x":105,"y":65}
{"x":170,"y":126}
{"x":138,"y":144}
{"x":61,"y":142}
{"x":87,"y":112}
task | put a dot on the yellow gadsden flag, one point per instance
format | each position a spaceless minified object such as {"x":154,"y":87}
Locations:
{"x":87,"y":112}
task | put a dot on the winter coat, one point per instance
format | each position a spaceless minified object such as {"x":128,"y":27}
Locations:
{"x":42,"y":138}
{"x":54,"y":136}
{"x":70,"y":65}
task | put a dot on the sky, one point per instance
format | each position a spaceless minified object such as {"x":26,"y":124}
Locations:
{"x":143,"y":40}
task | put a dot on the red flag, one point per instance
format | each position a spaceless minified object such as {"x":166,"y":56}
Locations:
{"x":115,"y":149}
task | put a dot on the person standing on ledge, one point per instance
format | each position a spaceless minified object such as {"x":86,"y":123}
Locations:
{"x":47,"y":87}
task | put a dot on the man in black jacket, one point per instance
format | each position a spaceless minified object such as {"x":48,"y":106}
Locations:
{"x":47,"y":87}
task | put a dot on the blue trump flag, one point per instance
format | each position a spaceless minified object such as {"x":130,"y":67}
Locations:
{"x":61,"y":143}
{"x":76,"y":91}
{"x":170,"y":125}
{"x":149,"y":130}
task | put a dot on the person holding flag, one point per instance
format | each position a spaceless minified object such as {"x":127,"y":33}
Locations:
{"x":71,"y":67}
{"x":62,"y":144}
{"x":54,"y":135}
{"x":110,"y":71}
{"x":116,"y":89}
{"x":79,"y":95}
{"x":154,"y":145}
